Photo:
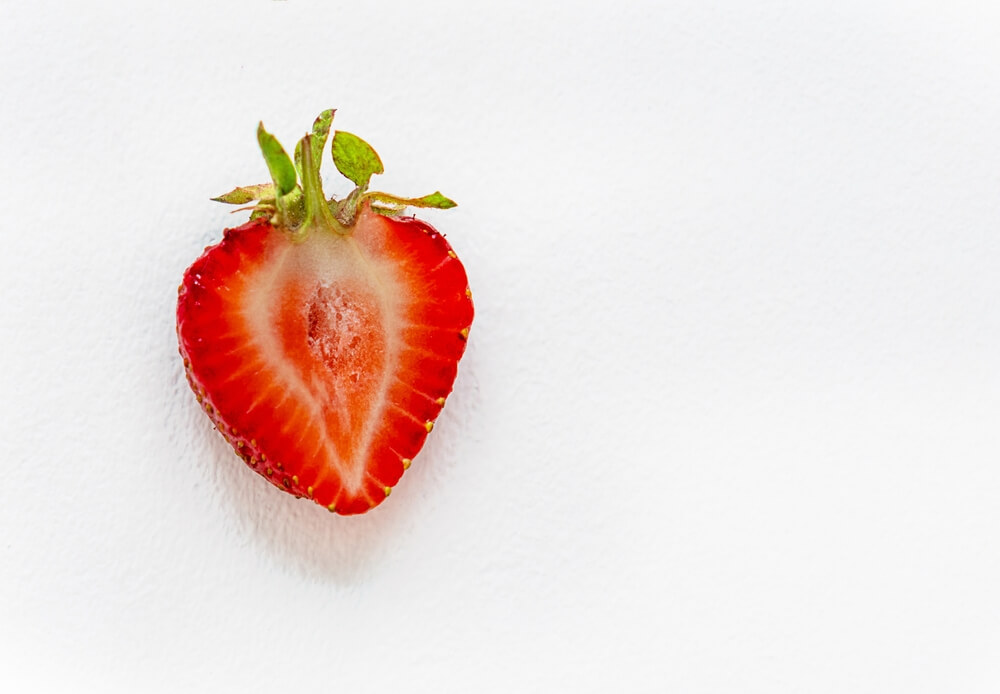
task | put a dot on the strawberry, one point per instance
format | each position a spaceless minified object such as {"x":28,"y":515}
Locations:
{"x":323,"y":336}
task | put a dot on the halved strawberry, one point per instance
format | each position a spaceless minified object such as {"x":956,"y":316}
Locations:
{"x":323,"y":336}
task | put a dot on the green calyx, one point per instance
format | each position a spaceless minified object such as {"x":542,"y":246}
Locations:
{"x":294,"y":199}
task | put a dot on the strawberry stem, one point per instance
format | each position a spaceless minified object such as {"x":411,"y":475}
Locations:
{"x":317,"y":210}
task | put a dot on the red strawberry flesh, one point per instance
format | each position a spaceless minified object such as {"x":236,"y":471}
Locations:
{"x":325,"y":360}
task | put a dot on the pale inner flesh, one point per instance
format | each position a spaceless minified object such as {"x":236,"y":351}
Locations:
{"x":327,"y":318}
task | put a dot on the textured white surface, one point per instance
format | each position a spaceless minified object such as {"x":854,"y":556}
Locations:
{"x":728,"y":418}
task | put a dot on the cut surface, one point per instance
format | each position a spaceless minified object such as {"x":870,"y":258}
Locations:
{"x":326,"y":361}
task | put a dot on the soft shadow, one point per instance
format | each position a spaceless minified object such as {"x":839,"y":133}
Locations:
{"x":298,"y":532}
{"x":325,"y":546}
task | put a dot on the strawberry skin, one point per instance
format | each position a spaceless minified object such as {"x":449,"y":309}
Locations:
{"x":324,"y":357}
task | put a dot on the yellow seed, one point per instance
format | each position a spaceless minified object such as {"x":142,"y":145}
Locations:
{"x":264,"y":457}
{"x":468,"y":293}
{"x":406,"y":463}
{"x":428,"y":426}
{"x":309,"y":491}
{"x":239,"y":444}
{"x":270,"y":472}
{"x":440,"y":401}
{"x":295,"y":479}
{"x":332,"y":507}
{"x":464,"y":332}
{"x":451,"y":254}
{"x":388,"y":491}
{"x":253,"y":442}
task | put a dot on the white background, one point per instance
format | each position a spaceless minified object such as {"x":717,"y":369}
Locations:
{"x":728,"y":420}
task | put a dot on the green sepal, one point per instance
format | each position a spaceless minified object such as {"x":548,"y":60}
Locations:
{"x":355,"y":158}
{"x":292,"y":207}
{"x":300,"y":207}
{"x":245,"y":194}
{"x":281,"y":167}
{"x":320,"y":132}
{"x":393,"y":204}
{"x":298,"y":157}
{"x":394,"y":211}
{"x":435,"y":200}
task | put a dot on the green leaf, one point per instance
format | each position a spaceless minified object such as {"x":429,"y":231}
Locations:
{"x":392,"y":202}
{"x":291,"y":206}
{"x":388,"y":210}
{"x":245,"y":194}
{"x":435,"y":199}
{"x":281,"y":167}
{"x":355,"y":158}
{"x":321,"y":131}
{"x":298,"y":157}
